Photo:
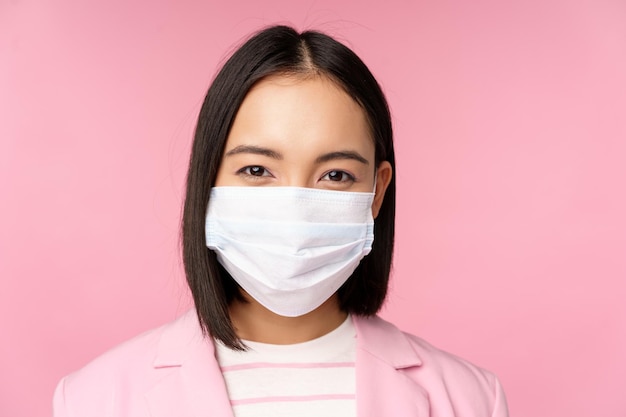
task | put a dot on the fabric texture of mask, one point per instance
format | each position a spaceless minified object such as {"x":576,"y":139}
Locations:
{"x":290,"y":248}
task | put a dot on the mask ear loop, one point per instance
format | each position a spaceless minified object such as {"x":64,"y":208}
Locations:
{"x":375,"y":181}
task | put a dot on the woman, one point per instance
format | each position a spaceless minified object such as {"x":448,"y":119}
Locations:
{"x":287,"y":240}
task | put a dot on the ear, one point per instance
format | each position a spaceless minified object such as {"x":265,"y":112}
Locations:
{"x":383,"y":178}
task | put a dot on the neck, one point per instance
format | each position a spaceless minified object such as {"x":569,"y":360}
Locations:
{"x":256,"y":323}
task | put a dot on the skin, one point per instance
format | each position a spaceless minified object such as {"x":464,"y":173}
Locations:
{"x":300,"y":132}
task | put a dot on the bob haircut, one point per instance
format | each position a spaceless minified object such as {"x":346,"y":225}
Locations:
{"x":279,"y":50}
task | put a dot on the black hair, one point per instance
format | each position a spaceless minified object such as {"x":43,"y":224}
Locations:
{"x":280,"y":50}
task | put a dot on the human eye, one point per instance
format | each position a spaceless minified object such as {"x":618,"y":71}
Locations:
{"x":254,"y":171}
{"x":338,"y":176}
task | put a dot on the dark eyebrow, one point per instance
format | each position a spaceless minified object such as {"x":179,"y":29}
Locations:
{"x":257,"y":150}
{"x":341,"y":155}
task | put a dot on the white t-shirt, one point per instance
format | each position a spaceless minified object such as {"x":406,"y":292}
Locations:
{"x":310,"y":379}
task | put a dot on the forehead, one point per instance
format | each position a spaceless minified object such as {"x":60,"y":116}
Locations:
{"x":300,"y":108}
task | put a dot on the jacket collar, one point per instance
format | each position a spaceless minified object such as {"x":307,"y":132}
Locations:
{"x":181,"y":338}
{"x":386,"y":342}
{"x":193,"y":384}
{"x":383,"y":356}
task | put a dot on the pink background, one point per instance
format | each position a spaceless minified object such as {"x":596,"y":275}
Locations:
{"x":511,"y":141}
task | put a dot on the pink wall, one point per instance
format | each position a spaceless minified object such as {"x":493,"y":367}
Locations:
{"x":511,"y":139}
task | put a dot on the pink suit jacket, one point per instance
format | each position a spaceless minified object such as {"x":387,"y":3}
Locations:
{"x":172,"y":372}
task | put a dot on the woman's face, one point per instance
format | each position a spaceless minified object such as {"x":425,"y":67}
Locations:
{"x":302,"y":133}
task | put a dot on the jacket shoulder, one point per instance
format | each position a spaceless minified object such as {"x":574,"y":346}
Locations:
{"x":455,"y":383}
{"x":114,"y":376}
{"x":451,"y":382}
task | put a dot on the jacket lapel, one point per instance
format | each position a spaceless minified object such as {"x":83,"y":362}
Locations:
{"x":192,"y":384}
{"x":383,"y":355}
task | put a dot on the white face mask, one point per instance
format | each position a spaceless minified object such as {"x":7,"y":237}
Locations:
{"x":290,"y":248}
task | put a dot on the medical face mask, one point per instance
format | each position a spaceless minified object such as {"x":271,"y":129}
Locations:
{"x":290,"y":248}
